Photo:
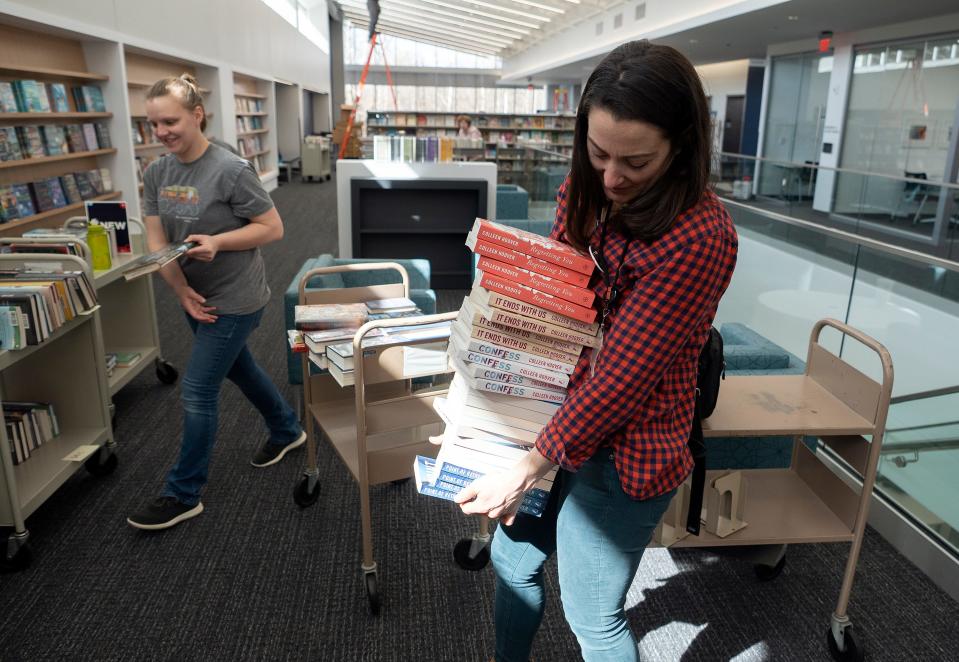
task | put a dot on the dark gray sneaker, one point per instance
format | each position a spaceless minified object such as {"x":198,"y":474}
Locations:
{"x":272,"y":453}
{"x":162,"y":513}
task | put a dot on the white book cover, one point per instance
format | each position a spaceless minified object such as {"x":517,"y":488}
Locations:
{"x":484,"y":457}
{"x":463,"y":411}
{"x":472,"y":371}
{"x":531,"y":410}
{"x":479,"y":332}
{"x":490,"y":349}
{"x":455,"y":422}
{"x":554,"y":379}
{"x":480,"y":295}
{"x":538,"y":326}
{"x":475,"y":318}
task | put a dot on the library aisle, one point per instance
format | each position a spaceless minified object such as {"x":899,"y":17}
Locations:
{"x":257,"y":578}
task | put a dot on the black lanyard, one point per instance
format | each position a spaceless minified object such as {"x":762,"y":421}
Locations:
{"x":611,"y":296}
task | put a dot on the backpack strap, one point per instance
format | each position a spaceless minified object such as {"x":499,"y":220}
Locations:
{"x":697,"y":446}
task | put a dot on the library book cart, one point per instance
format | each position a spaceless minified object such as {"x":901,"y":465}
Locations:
{"x":379,"y":424}
{"x":67,"y":370}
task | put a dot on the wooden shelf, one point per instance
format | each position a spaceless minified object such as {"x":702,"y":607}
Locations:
{"x":52,"y":73}
{"x":37,"y":160}
{"x":19,"y":117}
{"x":262,"y":114}
{"x":249,"y":95}
{"x":147,"y":147}
{"x":76,"y":206}
{"x":251,"y":133}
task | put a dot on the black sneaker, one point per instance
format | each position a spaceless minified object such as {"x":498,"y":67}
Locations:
{"x":272,"y":453}
{"x":163,"y":513}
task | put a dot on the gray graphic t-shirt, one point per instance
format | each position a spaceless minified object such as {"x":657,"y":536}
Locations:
{"x":216,"y":193}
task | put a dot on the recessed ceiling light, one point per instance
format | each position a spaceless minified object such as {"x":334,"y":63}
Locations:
{"x":793,"y":18}
{"x":694,"y":41}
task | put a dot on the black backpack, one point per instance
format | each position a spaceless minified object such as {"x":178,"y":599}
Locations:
{"x":710,"y":372}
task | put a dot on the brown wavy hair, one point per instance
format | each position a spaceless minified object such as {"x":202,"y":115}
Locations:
{"x":657,"y":85}
{"x":185,"y":88}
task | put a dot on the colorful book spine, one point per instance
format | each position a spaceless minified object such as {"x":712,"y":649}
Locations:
{"x":524,"y":261}
{"x":557,"y":288}
{"x":537,"y":298}
{"x":503,"y":340}
{"x":584,"y":333}
{"x":496,"y":351}
{"x":533,"y":244}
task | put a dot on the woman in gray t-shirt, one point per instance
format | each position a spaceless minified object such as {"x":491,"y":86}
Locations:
{"x":204,"y":194}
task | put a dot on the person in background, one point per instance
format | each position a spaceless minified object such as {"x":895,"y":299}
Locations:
{"x":466,"y":128}
{"x":204,"y":194}
{"x":636,"y":199}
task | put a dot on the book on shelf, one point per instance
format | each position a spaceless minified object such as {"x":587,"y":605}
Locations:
{"x":90,"y":136}
{"x":317,"y":317}
{"x":8,"y":99}
{"x":70,"y":188}
{"x":58,"y":98}
{"x":92,"y":99}
{"x":112,"y":215}
{"x":31,"y":142}
{"x":151,"y":262}
{"x":126,"y":359}
{"x":9,"y":144}
{"x":102,"y":132}
{"x":55,"y":139}
{"x":47,"y":300}
{"x":49,"y":194}
{"x":29,"y":425}
{"x":297,"y":344}
{"x":520,"y":260}
{"x":75,"y":139}
{"x":23,"y":199}
{"x":12,"y":331}
{"x":31,"y":96}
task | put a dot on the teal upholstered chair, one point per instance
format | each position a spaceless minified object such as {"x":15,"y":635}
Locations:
{"x":512,"y":201}
{"x":420,"y":292}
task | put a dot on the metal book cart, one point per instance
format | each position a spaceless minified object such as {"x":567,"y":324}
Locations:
{"x":68,"y":371}
{"x":806,"y":502}
{"x":378,"y":425}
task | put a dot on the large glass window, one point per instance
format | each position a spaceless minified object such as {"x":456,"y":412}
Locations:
{"x":794,"y":122}
{"x":902,"y":102}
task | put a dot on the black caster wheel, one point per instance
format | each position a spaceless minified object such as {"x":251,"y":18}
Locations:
{"x":19,"y":561}
{"x":854,"y":650}
{"x":166,"y":373}
{"x":329,"y":177}
{"x":372,"y":594}
{"x":400,"y":481}
{"x":461,"y":554}
{"x":100,"y":469}
{"x":767,"y":573}
{"x":303,"y":496}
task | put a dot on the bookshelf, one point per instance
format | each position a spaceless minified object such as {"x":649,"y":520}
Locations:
{"x":143,"y":69}
{"x":253,"y":108}
{"x":69,"y":372}
{"x":46,"y":148}
{"x":505,"y":137}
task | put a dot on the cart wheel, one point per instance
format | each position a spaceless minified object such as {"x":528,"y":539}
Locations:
{"x":329,"y":177}
{"x":166,"y":373}
{"x":854,"y":651}
{"x":461,"y":554}
{"x":100,"y":469}
{"x":303,"y":496}
{"x":767,"y":573}
{"x":400,"y":481}
{"x":19,"y":562}
{"x":372,"y":594}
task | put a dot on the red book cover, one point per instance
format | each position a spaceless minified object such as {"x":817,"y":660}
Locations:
{"x":535,"y":298}
{"x":533,"y":244}
{"x":523,"y":261}
{"x":557,"y":288}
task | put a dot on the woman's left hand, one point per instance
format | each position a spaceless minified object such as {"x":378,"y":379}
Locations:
{"x":205,"y":249}
{"x":495,"y":495}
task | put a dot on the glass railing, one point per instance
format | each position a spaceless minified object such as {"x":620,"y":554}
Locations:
{"x":796,"y":267}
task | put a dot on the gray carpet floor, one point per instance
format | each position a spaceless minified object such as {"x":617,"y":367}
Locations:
{"x":257,"y":578}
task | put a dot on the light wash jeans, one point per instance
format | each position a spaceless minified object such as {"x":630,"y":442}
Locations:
{"x":599,"y":535}
{"x":220,"y":351}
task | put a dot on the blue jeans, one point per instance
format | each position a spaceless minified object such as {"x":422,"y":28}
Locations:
{"x":220,"y":351}
{"x":599,"y":535}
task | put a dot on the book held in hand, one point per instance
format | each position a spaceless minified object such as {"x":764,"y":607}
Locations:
{"x":155,"y":261}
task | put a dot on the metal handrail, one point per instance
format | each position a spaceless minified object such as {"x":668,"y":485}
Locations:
{"x":922,"y":395}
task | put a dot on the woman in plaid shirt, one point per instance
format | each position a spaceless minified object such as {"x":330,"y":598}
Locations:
{"x":636,"y":199}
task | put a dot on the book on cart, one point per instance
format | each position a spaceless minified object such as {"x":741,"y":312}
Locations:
{"x":319,"y":317}
{"x":46,"y":300}
{"x":29,"y":425}
{"x":423,"y":352}
{"x":153,"y":262}
{"x":393,"y":306}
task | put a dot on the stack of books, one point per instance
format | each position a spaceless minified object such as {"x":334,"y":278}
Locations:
{"x":36,"y":303}
{"x":516,"y":341}
{"x":28,"y":426}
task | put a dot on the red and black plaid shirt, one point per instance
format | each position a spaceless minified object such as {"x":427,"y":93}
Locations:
{"x":639,"y":399}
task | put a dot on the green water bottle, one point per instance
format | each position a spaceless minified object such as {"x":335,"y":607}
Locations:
{"x":99,"y":244}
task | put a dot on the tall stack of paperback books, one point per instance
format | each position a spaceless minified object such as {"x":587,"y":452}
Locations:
{"x":513,"y":347}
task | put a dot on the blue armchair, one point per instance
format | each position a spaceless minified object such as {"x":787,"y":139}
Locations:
{"x":512,"y":201}
{"x":418,"y":271}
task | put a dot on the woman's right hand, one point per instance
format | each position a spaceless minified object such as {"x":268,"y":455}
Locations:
{"x":192,"y":303}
